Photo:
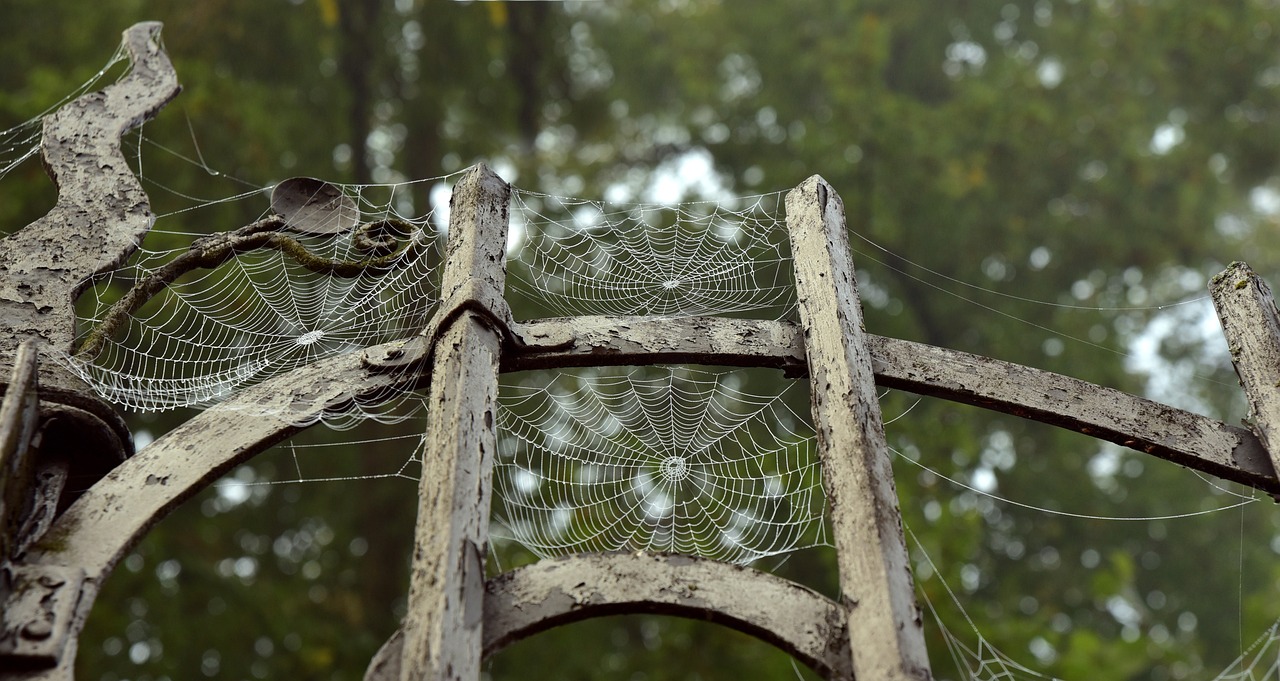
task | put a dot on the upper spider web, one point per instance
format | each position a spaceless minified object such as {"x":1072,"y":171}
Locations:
{"x":662,"y":459}
{"x":262,"y":312}
{"x":583,"y":257}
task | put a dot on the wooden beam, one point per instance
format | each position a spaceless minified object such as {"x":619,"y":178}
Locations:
{"x":1166,"y":432}
{"x":19,"y":414}
{"x":442,"y":638}
{"x":1176,"y":435}
{"x":877,"y":591}
{"x":1251,"y":325}
{"x":558,"y":591}
{"x":605,"y":341}
{"x":102,"y":212}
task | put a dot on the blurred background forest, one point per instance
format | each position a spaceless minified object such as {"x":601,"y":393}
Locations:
{"x":1049,"y":182}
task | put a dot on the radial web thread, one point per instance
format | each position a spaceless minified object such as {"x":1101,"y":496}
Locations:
{"x":659,"y":459}
{"x":262,"y":312}
{"x":583,"y":257}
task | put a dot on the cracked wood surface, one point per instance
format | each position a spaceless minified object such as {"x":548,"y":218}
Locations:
{"x":1251,"y":325}
{"x":557,"y":591}
{"x":102,"y":212}
{"x":886,"y":637}
{"x":442,"y":627}
{"x":103,"y":524}
{"x":1173,"y":434}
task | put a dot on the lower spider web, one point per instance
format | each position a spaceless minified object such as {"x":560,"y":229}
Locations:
{"x":665,"y":460}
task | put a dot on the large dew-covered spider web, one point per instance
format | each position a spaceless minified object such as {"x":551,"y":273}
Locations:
{"x":330,"y":269}
{"x":657,"y":459}
{"x":586,"y":257}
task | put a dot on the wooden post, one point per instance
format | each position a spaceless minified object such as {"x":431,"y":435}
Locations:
{"x":446,"y":593}
{"x":877,"y":590}
{"x":1251,"y":326}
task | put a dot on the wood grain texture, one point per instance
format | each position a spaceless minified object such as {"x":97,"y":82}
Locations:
{"x":442,"y":628}
{"x":1251,"y":325}
{"x":102,"y":212}
{"x":877,"y":590}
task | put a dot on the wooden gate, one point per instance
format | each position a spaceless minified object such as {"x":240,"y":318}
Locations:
{"x":58,"y":546}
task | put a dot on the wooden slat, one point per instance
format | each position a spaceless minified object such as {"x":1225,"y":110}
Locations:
{"x":877,"y":591}
{"x":442,"y":629}
{"x":1251,"y":325}
{"x":603,"y":341}
{"x":102,"y":212}
{"x":19,"y":414}
{"x":1176,"y":435}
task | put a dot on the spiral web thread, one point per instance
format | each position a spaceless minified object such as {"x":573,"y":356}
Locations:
{"x":656,"y":459}
{"x":259,"y":314}
{"x":583,"y":257}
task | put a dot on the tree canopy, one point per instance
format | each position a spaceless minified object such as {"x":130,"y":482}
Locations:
{"x":1050,"y":182}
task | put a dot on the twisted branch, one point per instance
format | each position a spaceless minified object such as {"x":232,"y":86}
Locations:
{"x":377,"y":237}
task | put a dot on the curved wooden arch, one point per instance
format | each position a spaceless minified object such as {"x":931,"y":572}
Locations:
{"x":102,"y":525}
{"x":557,"y":591}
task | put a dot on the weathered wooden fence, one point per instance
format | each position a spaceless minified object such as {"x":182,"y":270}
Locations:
{"x":58,"y":545}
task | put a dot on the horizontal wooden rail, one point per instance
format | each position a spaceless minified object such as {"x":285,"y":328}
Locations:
{"x":1180,"y":436}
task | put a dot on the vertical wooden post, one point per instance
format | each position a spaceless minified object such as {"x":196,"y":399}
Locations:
{"x":885,"y":634}
{"x":1251,"y":326}
{"x":443,"y":625}
{"x":19,"y":414}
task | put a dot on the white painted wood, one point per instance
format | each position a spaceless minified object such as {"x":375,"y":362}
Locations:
{"x":877,"y":590}
{"x":443,"y":625}
{"x":1251,"y":325}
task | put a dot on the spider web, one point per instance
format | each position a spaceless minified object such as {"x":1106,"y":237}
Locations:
{"x":584,"y":257}
{"x":660,"y":459}
{"x":260,"y":313}
{"x":21,"y":142}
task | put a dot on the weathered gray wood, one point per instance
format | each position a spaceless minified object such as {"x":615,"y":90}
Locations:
{"x":598,"y":341}
{"x":104,"y":523}
{"x":1176,"y":435}
{"x":442,"y":628}
{"x":19,"y":414}
{"x":34,"y":627}
{"x":1251,"y":325}
{"x":101,"y":214}
{"x":877,"y":591}
{"x":558,"y":591}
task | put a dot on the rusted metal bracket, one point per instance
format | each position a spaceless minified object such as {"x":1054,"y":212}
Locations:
{"x":36,"y":623}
